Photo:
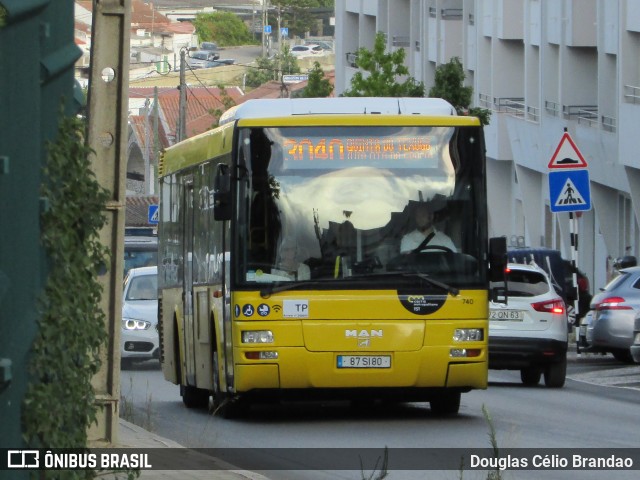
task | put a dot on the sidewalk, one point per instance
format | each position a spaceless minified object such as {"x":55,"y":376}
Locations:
{"x":133,"y":436}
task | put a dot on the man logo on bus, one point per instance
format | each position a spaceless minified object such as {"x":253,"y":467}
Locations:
{"x":363,"y":336}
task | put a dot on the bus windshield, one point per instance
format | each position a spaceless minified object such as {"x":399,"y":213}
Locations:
{"x":352,"y":206}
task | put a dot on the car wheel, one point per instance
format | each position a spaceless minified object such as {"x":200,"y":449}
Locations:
{"x":555,"y":374}
{"x":530,"y":376}
{"x":194,"y":397}
{"x":446,"y":404}
{"x":126,"y":364}
{"x":623,"y":355}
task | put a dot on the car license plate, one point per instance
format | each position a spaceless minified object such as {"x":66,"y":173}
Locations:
{"x":364,"y":361}
{"x":507,"y":315}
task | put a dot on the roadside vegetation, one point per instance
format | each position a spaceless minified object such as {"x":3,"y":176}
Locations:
{"x":297,"y":15}
{"x":382,"y":70}
{"x":224,"y":28}
{"x":267,"y":69}
{"x":317,"y":86}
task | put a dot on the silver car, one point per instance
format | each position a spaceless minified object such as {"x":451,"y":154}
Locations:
{"x":139,"y":335}
{"x":613,"y":322}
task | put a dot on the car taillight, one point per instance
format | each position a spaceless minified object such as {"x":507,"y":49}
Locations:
{"x":612,"y":303}
{"x":550,"y":306}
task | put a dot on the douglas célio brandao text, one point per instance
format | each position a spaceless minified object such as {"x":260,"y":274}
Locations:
{"x":551,"y":462}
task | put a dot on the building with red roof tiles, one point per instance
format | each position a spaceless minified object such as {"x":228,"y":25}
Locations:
{"x":152,"y":129}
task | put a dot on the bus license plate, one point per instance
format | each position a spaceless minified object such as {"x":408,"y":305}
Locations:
{"x":507,"y":315}
{"x":364,"y":361}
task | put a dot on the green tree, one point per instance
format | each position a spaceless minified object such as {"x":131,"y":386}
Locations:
{"x":317,"y":86}
{"x":296,"y":15}
{"x":449,"y":84}
{"x":269,"y":68}
{"x":225,"y":28}
{"x":383,"y":70}
{"x":227,"y":103}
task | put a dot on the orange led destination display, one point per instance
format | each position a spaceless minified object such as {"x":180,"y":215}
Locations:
{"x":392,"y":152}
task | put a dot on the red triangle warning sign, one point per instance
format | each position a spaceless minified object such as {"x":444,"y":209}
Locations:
{"x":567,"y":155}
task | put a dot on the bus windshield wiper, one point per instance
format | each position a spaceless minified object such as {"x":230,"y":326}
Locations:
{"x":276,"y":287}
{"x":448,"y":288}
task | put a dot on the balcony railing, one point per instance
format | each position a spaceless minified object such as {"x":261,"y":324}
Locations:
{"x":398,"y":41}
{"x":552,"y":108}
{"x":451,"y":13}
{"x":485,"y":100}
{"x":446,"y":13}
{"x":631,"y":94}
{"x":512,"y":105}
{"x":609,"y":123}
{"x":585,"y":114}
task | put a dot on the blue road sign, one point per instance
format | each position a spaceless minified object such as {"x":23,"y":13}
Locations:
{"x":569,"y":191}
{"x":153,"y":214}
{"x":267,"y":29}
{"x":284,"y":31}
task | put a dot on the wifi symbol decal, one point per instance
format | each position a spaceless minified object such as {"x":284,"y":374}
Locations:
{"x":276,"y":308}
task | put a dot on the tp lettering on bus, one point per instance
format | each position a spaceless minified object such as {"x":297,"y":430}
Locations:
{"x":295,"y":308}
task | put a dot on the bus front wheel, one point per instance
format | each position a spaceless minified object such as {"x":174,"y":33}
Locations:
{"x":446,"y":403}
{"x":224,"y":404}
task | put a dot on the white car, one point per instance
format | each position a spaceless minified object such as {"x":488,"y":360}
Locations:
{"x":306,"y":50}
{"x":139,"y":334}
{"x":529,"y":332}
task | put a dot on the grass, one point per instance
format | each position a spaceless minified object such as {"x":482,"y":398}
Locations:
{"x":128,"y":412}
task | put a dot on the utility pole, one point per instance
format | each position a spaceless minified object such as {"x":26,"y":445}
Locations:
{"x":264,"y":23}
{"x":107,"y":136}
{"x":181,"y":131}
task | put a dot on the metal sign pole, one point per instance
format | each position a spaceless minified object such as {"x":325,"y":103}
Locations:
{"x":573,"y":225}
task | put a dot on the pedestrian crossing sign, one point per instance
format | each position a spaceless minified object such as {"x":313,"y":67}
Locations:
{"x":153,"y":214}
{"x":569,"y":191}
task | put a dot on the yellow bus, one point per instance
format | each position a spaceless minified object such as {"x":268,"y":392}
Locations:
{"x":294,"y":262}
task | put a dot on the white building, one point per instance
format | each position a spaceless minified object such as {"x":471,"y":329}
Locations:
{"x":541,"y":66}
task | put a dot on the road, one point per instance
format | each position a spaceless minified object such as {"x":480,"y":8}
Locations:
{"x":581,"y":415}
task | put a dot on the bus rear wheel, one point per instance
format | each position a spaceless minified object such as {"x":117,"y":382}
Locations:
{"x":446,"y":403}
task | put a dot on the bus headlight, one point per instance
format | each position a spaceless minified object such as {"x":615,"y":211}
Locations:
{"x":257,"y":336}
{"x":468,"y":335}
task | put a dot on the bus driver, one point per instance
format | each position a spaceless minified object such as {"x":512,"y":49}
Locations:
{"x":425,"y":233}
{"x":288,"y":264}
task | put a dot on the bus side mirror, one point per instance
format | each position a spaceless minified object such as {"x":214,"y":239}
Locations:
{"x":222,"y":193}
{"x":497,"y":258}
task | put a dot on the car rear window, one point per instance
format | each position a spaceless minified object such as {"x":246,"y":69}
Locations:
{"x":526,"y":284}
{"x":521,"y":283}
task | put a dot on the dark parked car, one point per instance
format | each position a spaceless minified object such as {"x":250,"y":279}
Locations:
{"x":212,"y":48}
{"x":140,"y":249}
{"x":561,"y":273}
{"x":583,"y":290}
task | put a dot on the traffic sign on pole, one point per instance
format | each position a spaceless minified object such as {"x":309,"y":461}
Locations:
{"x":153,"y":214}
{"x":569,"y":191}
{"x":567,"y":155}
